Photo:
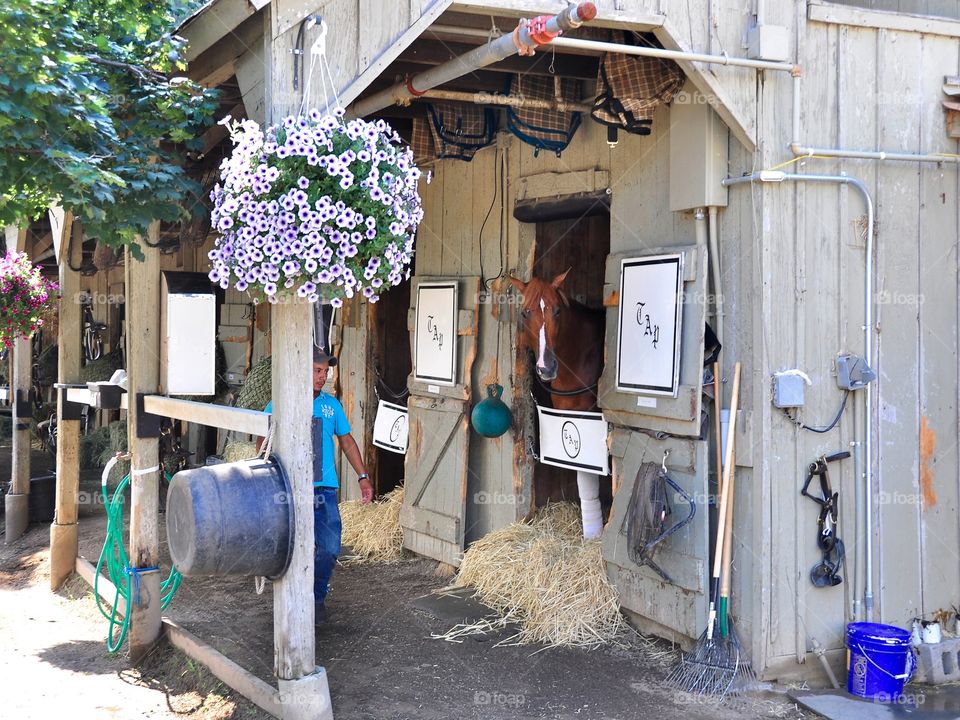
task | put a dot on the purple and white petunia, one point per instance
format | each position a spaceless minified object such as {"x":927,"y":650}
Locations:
{"x":315,"y":231}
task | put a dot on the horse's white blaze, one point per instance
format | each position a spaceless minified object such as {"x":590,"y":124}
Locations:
{"x":543,"y":336}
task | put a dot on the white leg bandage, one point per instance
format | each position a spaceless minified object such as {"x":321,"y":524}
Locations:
{"x":588,"y":486}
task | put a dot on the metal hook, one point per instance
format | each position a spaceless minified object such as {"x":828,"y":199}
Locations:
{"x":663,"y":463}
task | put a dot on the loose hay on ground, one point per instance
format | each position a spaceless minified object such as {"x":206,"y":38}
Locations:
{"x":545,"y":576}
{"x":372,"y":531}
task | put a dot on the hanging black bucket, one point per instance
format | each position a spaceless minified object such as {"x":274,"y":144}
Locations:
{"x":231,"y":519}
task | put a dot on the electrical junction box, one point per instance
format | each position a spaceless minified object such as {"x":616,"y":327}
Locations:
{"x":853,"y":372}
{"x":789,"y":389}
{"x":188,"y":333}
{"x":698,"y":152}
{"x":768,"y":42}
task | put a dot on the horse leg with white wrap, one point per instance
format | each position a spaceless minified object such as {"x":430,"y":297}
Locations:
{"x":588,"y":485}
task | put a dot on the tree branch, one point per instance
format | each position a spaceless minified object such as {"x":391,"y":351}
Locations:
{"x":142,"y":72}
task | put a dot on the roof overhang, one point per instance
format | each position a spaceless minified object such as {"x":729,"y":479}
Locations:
{"x":214,"y":21}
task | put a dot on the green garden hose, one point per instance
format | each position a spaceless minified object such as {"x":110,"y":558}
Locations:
{"x":125,"y":579}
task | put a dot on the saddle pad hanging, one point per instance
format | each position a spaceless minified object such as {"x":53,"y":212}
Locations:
{"x":631,"y":88}
{"x":543,"y":128}
{"x":459,"y":129}
{"x":421,"y":141}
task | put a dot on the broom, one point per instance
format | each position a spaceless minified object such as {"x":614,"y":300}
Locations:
{"x":711,"y":667}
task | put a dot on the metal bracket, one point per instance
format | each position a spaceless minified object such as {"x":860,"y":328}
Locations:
{"x":69,"y":410}
{"x":23,"y":407}
{"x":148,"y":425}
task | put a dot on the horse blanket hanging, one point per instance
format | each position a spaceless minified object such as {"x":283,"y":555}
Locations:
{"x":543,"y":128}
{"x":630,"y":88}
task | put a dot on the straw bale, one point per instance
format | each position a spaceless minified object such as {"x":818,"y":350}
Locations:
{"x":372,"y":531}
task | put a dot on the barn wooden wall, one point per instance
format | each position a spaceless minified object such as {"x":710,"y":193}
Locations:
{"x":801,"y":249}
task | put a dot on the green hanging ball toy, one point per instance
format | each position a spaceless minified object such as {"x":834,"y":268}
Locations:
{"x":491,"y":417}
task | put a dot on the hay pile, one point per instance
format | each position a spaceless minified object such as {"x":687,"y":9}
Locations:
{"x":237,"y":450}
{"x":544,"y":576}
{"x":373,"y":531}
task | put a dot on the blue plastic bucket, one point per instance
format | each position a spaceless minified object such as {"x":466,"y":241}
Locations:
{"x":880,"y":661}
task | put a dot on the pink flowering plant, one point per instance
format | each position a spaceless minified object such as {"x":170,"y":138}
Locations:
{"x":316,"y":207}
{"x":25,"y":297}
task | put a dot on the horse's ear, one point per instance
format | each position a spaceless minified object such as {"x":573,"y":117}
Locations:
{"x":558,"y":280}
{"x":518,"y":284}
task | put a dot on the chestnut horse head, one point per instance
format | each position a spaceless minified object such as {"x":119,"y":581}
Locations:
{"x":543,"y":304}
{"x":567,"y":340}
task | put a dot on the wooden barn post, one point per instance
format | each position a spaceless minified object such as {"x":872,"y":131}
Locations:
{"x":16,"y":508}
{"x":142,"y":280}
{"x":303,"y":686}
{"x":63,"y":532}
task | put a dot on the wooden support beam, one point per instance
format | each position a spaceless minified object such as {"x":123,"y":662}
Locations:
{"x":63,"y":532}
{"x":16,"y":508}
{"x":293,"y":617}
{"x":143,"y":375}
{"x":219,"y":416}
{"x":217,"y":20}
{"x":218,"y":63}
{"x":225,"y":669}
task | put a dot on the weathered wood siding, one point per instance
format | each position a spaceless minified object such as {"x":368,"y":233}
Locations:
{"x":863,"y":88}
{"x":363,"y":37}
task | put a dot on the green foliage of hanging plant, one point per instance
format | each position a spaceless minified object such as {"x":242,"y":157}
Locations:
{"x":315,"y":206}
{"x":93,"y":114}
{"x":25,"y":298}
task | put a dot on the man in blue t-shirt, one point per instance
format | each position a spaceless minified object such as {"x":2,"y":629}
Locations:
{"x":326,"y":514}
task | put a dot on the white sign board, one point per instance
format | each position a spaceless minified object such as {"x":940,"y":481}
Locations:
{"x":391,"y":428}
{"x":574,"y":439}
{"x":435,"y":338}
{"x":648,"y":347}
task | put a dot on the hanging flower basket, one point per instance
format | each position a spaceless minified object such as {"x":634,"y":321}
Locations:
{"x":25,"y":297}
{"x":315,"y":207}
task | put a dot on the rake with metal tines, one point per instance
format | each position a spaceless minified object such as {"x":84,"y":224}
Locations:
{"x":716,"y":665}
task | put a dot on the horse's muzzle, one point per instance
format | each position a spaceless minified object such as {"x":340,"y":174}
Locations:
{"x":549,"y":372}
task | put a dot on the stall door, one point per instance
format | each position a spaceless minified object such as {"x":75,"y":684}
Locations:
{"x":434,"y":506}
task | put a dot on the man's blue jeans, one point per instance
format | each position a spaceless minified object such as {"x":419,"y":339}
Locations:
{"x":326,"y":539}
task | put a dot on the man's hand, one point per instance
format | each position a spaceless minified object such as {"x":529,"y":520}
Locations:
{"x":366,"y":491}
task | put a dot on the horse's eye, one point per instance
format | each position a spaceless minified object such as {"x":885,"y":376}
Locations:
{"x":525,"y":312}
{"x":556,"y":311}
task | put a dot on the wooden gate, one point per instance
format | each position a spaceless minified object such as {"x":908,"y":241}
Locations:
{"x":434,"y":507}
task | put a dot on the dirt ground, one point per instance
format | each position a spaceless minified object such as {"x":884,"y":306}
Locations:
{"x":381,"y":660}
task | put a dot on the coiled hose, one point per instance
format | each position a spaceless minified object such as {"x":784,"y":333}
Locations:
{"x":125,"y":579}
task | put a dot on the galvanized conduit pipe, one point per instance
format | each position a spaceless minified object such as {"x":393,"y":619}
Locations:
{"x":494,"y":51}
{"x":867,"y":470}
{"x":714,"y":235}
{"x":801,"y":150}
{"x":600,"y":46}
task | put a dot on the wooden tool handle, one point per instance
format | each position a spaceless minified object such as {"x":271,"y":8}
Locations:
{"x":727,"y":472}
{"x":728,"y":531}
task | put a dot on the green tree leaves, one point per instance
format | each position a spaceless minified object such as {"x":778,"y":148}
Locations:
{"x":93,"y":112}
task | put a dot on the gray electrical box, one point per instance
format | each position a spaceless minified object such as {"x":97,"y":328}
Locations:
{"x":698,"y":152}
{"x":853,"y":372}
{"x":789,"y":389}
